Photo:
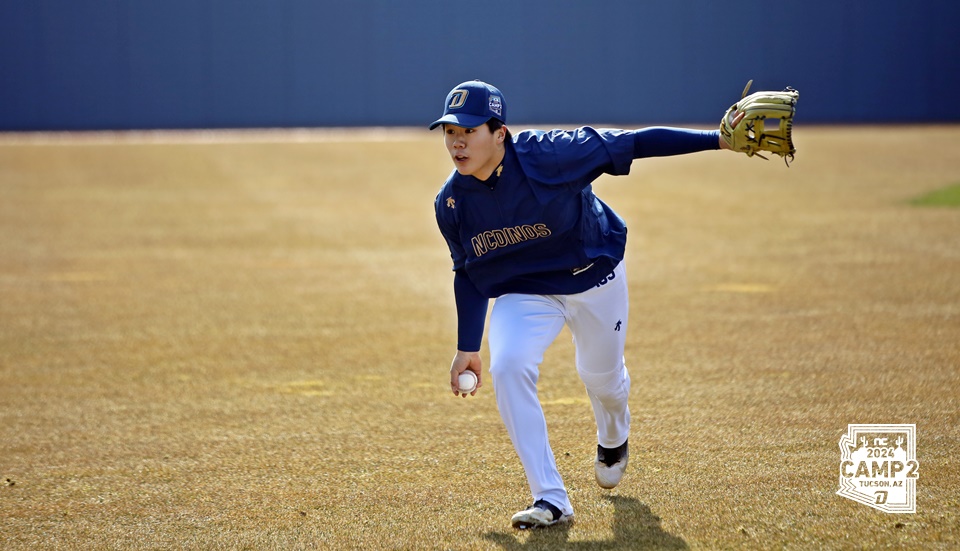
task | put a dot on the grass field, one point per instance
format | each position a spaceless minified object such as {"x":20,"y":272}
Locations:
{"x":241,"y":341}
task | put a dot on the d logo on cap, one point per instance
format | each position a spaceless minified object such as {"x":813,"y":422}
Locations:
{"x":458,"y":98}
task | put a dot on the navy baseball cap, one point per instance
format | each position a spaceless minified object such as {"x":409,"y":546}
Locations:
{"x":471,"y":104}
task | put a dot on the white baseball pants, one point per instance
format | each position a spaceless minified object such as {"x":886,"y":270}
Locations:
{"x":521,"y":329}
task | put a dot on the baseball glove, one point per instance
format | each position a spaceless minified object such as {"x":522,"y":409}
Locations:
{"x":766,"y":124}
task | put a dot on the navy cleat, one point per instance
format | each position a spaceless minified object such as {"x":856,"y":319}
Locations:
{"x":540,"y":515}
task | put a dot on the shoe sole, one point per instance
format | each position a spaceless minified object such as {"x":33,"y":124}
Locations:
{"x":606,"y":482}
{"x":527,"y":525}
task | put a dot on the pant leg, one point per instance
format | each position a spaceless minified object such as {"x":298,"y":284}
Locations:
{"x":598,"y":320}
{"x":521,"y":329}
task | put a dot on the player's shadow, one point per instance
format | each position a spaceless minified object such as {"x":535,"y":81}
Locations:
{"x":634,"y":527}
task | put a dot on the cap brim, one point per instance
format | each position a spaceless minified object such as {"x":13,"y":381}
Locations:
{"x":466,"y":121}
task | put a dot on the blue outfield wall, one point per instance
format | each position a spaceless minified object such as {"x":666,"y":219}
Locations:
{"x":115,"y":64}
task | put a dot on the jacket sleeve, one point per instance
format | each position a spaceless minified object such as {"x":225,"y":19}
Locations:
{"x":471,"y":312}
{"x":471,"y":304}
{"x":583,"y":154}
{"x":662,"y":141}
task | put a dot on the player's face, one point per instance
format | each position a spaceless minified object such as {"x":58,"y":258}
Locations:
{"x":475,"y":151}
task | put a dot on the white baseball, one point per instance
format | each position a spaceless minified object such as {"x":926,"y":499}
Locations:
{"x":467,"y":381}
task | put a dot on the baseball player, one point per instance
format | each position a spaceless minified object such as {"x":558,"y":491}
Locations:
{"x":524,"y":226}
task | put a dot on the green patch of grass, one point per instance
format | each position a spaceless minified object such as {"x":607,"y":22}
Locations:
{"x":946,"y":197}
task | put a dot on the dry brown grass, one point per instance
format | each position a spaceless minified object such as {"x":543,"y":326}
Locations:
{"x":244,"y":345}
